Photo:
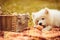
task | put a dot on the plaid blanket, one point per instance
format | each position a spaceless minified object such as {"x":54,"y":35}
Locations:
{"x":33,"y":34}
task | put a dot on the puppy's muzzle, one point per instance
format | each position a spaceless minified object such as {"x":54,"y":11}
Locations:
{"x":42,"y":25}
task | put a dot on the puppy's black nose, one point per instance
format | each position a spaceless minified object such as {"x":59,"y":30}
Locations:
{"x":40,"y":23}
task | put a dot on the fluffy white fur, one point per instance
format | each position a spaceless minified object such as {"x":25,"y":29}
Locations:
{"x":51,"y":17}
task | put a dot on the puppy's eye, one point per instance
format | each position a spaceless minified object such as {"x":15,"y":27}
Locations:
{"x":37,"y":20}
{"x":42,"y":18}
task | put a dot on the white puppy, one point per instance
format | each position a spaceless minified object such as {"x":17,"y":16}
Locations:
{"x":47,"y":18}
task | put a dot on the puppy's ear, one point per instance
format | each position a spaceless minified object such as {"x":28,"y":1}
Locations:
{"x":33,"y":15}
{"x":46,"y":11}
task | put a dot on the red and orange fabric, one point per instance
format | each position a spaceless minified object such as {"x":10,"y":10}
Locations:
{"x":34,"y":34}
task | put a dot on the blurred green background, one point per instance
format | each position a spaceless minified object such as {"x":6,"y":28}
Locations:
{"x":23,"y":6}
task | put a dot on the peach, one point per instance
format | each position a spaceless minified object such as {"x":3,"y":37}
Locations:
{"x":39,"y":27}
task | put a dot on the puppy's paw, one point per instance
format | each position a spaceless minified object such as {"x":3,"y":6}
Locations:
{"x":47,"y":29}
